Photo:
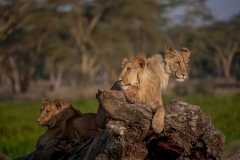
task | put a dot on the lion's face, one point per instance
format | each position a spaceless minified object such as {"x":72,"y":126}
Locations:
{"x":49,"y":109}
{"x":177,"y":63}
{"x":130,"y":70}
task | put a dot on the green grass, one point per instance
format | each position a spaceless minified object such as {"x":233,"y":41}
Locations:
{"x":19,"y":130}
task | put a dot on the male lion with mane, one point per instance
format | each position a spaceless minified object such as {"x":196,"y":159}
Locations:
{"x":143,"y":79}
{"x":62,"y":120}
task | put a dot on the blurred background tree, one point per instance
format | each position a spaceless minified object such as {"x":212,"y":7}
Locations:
{"x":80,"y":44}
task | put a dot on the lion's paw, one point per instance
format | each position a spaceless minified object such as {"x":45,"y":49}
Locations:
{"x":131,"y":100}
{"x":157,"y":126}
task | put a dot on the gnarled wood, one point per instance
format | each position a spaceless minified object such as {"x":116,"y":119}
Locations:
{"x":188,"y":132}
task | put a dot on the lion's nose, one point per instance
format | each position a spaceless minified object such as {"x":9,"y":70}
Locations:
{"x":119,"y":81}
{"x":183,"y":74}
{"x":38,"y":121}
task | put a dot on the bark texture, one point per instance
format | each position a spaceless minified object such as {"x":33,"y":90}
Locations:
{"x":188,"y":133}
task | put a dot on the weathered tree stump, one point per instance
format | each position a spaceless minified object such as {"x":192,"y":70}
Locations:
{"x":188,"y":133}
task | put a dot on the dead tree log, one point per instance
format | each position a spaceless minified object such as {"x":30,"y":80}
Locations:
{"x":235,"y":155}
{"x":188,"y":133}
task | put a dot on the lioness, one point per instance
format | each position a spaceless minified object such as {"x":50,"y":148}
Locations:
{"x":143,"y":79}
{"x":62,"y":120}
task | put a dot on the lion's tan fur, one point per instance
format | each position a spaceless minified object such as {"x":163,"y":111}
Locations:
{"x":144,"y":79}
{"x":157,"y":63}
{"x":64,"y":121}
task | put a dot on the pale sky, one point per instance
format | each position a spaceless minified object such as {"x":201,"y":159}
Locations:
{"x":224,"y":9}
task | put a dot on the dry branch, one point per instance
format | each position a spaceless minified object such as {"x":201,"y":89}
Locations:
{"x":188,"y":133}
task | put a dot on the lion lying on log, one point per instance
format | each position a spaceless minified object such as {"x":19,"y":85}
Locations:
{"x":62,"y":120}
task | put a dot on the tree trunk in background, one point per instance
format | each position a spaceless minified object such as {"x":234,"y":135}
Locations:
{"x":15,"y":75}
{"x":217,"y":63}
{"x":59,"y":79}
{"x":188,"y":133}
{"x":226,"y":54}
{"x":24,"y":81}
{"x":56,"y":80}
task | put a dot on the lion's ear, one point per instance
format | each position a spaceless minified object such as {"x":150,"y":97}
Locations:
{"x":124,"y":60}
{"x":65,"y":103}
{"x":44,"y":101}
{"x":186,"y":51}
{"x":57,"y":104}
{"x":168,"y":52}
{"x":140,"y":61}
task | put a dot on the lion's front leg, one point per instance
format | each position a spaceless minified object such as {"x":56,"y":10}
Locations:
{"x":46,"y":137}
{"x":130,"y":95}
{"x":158,"y":118}
{"x":42,"y":140}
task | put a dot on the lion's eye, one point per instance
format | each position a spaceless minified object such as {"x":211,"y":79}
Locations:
{"x":186,"y":64}
{"x":128,"y":69}
{"x":178,"y":63}
{"x":47,"y":111}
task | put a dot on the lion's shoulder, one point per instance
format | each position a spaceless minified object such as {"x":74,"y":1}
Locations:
{"x":154,"y":59}
{"x":65,"y":116}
